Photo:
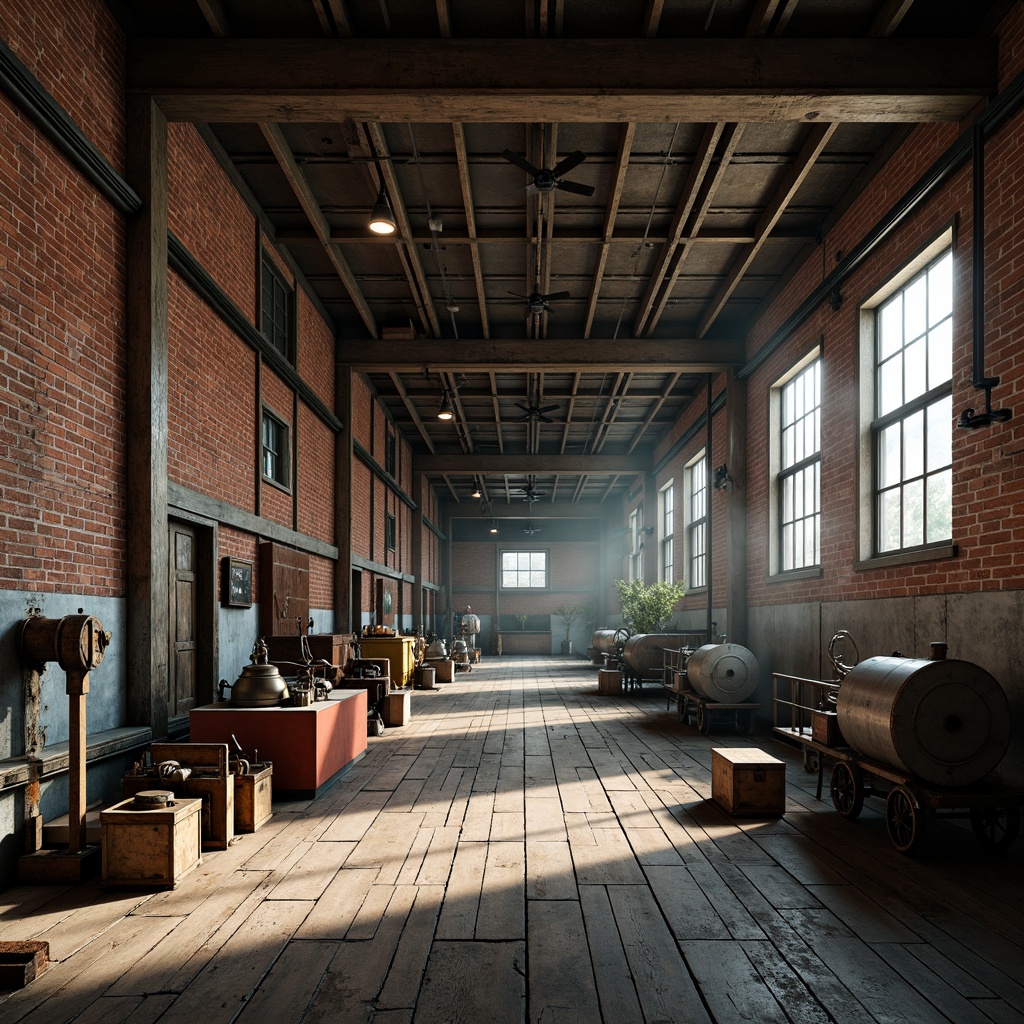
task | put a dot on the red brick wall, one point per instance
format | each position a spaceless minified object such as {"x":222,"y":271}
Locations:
{"x":316,"y":351}
{"x":315,"y":492}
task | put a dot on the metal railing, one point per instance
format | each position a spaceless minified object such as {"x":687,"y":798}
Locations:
{"x":795,"y":698}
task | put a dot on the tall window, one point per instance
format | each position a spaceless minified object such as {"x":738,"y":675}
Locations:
{"x":275,"y":450}
{"x":277,"y":300}
{"x":913,"y":416}
{"x":389,"y":532}
{"x":636,"y":555}
{"x":524,"y":570}
{"x":697,"y":522}
{"x":800,"y":470}
{"x":667,"y":500}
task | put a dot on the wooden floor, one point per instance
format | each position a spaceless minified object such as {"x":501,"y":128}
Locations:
{"x":526,"y":850}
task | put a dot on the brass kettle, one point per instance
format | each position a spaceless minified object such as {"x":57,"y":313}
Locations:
{"x":260,"y":685}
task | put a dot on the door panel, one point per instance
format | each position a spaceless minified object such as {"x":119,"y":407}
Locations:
{"x":182,"y":593}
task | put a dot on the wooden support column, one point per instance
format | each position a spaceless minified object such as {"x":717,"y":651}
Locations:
{"x":147,"y":612}
{"x":736,"y":511}
{"x":650,"y":522}
{"x":343,"y":455}
{"x":419,"y":483}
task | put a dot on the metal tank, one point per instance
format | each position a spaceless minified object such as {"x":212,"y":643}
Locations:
{"x":945,"y":722}
{"x":602,"y":642}
{"x":724,"y":673}
{"x":644,"y":653}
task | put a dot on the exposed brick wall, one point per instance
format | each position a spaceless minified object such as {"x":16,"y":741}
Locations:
{"x":315,"y":490}
{"x":75,"y":48}
{"x":210,"y":218}
{"x":62,"y":287}
{"x":315,"y":361}
{"x":321,"y":585}
{"x":361,"y":483}
{"x":211,"y":426}
{"x":276,"y":504}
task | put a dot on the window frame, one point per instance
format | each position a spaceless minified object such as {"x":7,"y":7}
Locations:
{"x":390,"y":531}
{"x":870,"y":554}
{"x":283,"y":479}
{"x":279,"y":331}
{"x":636,"y":543}
{"x":694,"y":470}
{"x":777,"y":475}
{"x":666,"y":532}
{"x":546,"y":552}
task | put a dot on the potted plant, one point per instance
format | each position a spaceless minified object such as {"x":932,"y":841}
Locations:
{"x":521,"y":619}
{"x":648,"y":609}
{"x":568,"y":613}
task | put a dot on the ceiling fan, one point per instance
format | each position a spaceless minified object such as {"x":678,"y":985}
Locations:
{"x":545,"y":180}
{"x":530,"y":529}
{"x":537,"y":303}
{"x":535,"y":411}
{"x":528,"y":493}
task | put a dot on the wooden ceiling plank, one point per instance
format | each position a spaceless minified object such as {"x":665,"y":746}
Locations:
{"x":653,"y":411}
{"x":576,"y":377}
{"x":817,"y":139}
{"x":761,"y":17}
{"x":652,"y":18}
{"x":216,"y":17}
{"x":341,"y":19}
{"x":730,"y":139}
{"x":599,"y":355}
{"x":888,"y":18}
{"x":322,"y":16}
{"x":611,"y":410}
{"x":691,"y":187}
{"x":413,"y":414}
{"x":786,"y":12}
{"x":563,"y":80}
{"x":496,"y":410}
{"x":451,"y":487}
{"x":460,"y":464}
{"x":311,"y":207}
{"x":444,"y":19}
{"x":462,"y":161}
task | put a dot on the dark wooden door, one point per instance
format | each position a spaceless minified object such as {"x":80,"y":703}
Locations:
{"x":182,"y":621}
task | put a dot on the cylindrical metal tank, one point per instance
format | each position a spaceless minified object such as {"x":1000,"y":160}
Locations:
{"x":945,"y":722}
{"x":724,"y":673}
{"x":602,"y":642}
{"x":644,"y":653}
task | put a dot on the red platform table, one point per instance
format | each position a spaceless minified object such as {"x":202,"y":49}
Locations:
{"x":309,"y":746}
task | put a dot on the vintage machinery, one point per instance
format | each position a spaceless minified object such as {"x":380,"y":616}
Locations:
{"x":260,"y":685}
{"x":727,"y":673}
{"x":77,"y":643}
{"x":946,"y":722}
{"x":643,"y":656}
{"x":602,"y":643}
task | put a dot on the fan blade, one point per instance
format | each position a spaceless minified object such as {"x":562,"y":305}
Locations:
{"x":575,"y":186}
{"x":521,"y":161}
{"x":568,"y":163}
{"x":518,"y":296}
{"x":548,"y":408}
{"x":526,"y":409}
{"x":546,"y":419}
{"x":555,"y":296}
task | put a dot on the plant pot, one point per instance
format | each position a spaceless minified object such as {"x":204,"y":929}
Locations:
{"x":567,"y":647}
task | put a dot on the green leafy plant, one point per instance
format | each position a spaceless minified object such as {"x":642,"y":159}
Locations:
{"x":568,"y":613}
{"x":647,"y":609}
{"x":521,"y":619}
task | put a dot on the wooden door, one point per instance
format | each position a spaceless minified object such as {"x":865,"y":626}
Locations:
{"x":182,"y":621}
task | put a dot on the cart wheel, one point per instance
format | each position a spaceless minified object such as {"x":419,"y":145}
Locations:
{"x":811,"y":760}
{"x":751,"y":722}
{"x":847,"y":789}
{"x":703,"y":720}
{"x":904,"y":820}
{"x":996,"y":827}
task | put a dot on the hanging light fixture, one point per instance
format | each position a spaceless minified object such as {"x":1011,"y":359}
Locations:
{"x":382,"y":220}
{"x":494,"y":526}
{"x":445,"y":412}
{"x":476,"y":492}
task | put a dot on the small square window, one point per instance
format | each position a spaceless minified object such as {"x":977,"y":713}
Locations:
{"x":276,"y":463}
{"x":524,"y":570}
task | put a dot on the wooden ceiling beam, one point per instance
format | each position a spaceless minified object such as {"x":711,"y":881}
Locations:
{"x":462,"y":161}
{"x":460,"y":464}
{"x":568,"y":355}
{"x":563,"y":80}
{"x":396,"y":380}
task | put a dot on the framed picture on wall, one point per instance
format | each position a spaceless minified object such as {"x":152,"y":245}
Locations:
{"x":237,"y":583}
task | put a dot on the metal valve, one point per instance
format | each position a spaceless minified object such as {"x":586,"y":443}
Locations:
{"x":76,"y":642}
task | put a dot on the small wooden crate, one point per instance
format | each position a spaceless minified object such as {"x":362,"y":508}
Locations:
{"x":211,"y":780}
{"x":21,"y":962}
{"x":444,"y":670}
{"x":825,"y":728}
{"x":609,"y":682}
{"x":151,"y":847}
{"x":253,"y":798}
{"x":398,"y":708}
{"x":747,"y":781}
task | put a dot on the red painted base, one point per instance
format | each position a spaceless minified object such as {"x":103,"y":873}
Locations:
{"x":308,"y":746}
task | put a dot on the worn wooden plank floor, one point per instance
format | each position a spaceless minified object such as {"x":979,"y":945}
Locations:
{"x":525,"y":850}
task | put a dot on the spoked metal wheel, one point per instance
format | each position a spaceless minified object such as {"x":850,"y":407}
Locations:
{"x":847,"y":789}
{"x":703,"y":720}
{"x":904,"y":820}
{"x":996,"y":827}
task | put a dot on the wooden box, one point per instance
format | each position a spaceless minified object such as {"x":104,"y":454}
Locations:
{"x":210,"y":780}
{"x":444,"y":670}
{"x":825,"y":728}
{"x":397,"y":709}
{"x":609,"y":682}
{"x":151,"y":847}
{"x":21,"y":962}
{"x":747,"y":781}
{"x":253,"y":798}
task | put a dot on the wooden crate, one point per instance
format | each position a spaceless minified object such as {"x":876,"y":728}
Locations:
{"x":609,"y":682}
{"x":211,"y":781}
{"x":444,"y":669}
{"x":21,"y":962}
{"x":253,"y":798}
{"x":825,"y":728}
{"x":152,"y":847}
{"x":747,"y":781}
{"x":397,"y":709}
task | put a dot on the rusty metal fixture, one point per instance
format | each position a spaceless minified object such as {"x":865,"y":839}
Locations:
{"x":76,"y":642}
{"x":437,"y":650}
{"x":152,"y":799}
{"x":944,"y":721}
{"x":724,"y":673}
{"x":260,"y":685}
{"x":643,"y":654}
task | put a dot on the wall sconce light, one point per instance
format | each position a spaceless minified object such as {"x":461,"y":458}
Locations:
{"x":445,"y":412}
{"x":382,"y":220}
{"x":722,"y":478}
{"x":649,"y":530}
